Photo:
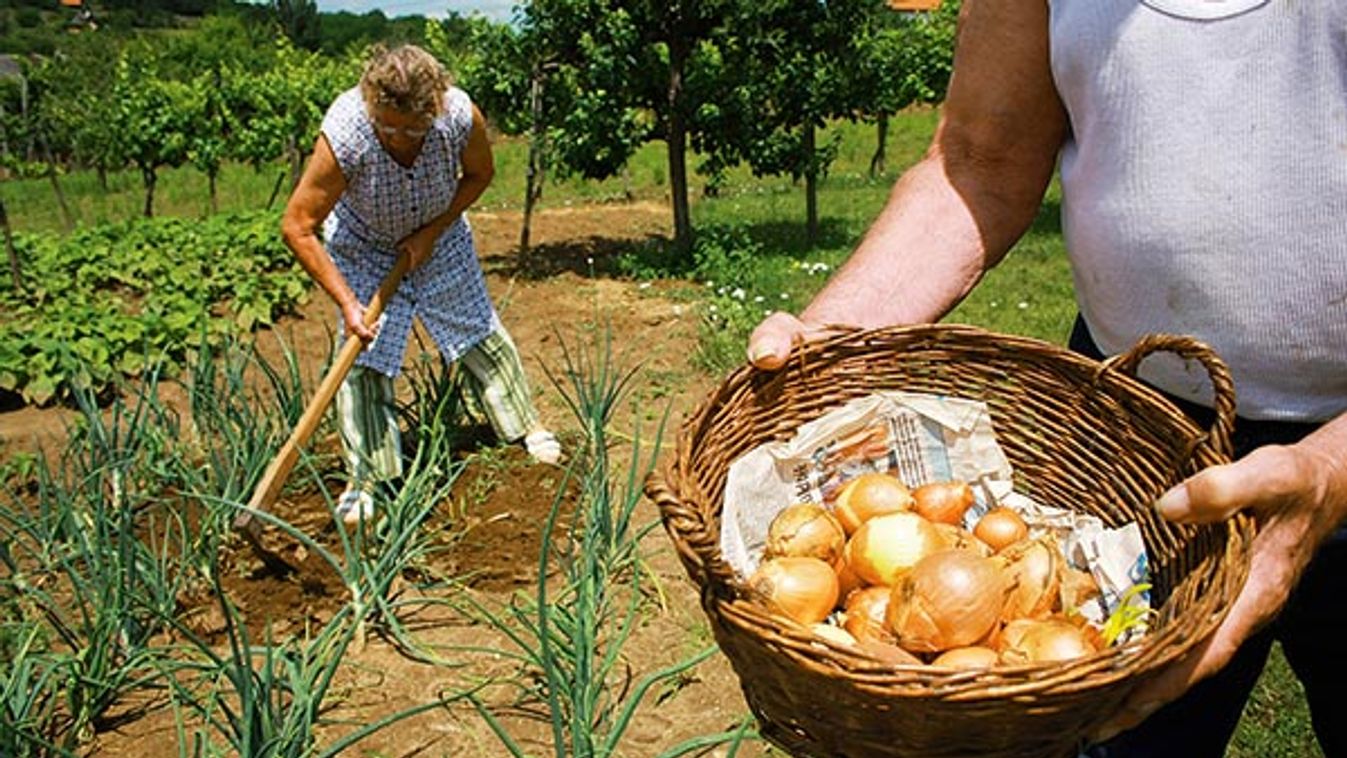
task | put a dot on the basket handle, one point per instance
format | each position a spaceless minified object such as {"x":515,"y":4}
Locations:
{"x":1188,"y":348}
{"x":697,"y":547}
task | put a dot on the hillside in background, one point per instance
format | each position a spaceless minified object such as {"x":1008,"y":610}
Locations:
{"x":40,"y":26}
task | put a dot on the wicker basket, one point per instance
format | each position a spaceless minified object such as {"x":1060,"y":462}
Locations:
{"x":1080,"y":434}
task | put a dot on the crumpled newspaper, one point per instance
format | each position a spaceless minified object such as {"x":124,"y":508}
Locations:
{"x":919,"y":438}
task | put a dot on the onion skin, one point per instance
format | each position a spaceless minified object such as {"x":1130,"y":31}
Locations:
{"x":886,"y":547}
{"x":971,"y":657}
{"x":806,"y":530}
{"x":865,"y":613}
{"x":1077,"y":588}
{"x":1043,"y":641}
{"x":867,"y":496}
{"x":805,"y":589}
{"x":949,"y":599}
{"x":1000,"y":528}
{"x":943,"y":502}
{"x":1034,"y":568}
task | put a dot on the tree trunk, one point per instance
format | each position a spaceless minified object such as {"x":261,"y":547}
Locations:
{"x":677,"y":142}
{"x":102,"y":176}
{"x":149,"y":176}
{"x":14,"y":270}
{"x":533,"y":180}
{"x":276,"y":189}
{"x":810,"y":186}
{"x":66,"y":218}
{"x":296,"y":161}
{"x":211,"y":177}
{"x":881,"y":146}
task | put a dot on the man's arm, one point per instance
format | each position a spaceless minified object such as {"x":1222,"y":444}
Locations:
{"x":958,"y":211}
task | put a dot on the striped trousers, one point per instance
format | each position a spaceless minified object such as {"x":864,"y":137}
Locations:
{"x":367,"y":415}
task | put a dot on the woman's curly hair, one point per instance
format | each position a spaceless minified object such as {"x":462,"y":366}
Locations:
{"x":405,"y":78}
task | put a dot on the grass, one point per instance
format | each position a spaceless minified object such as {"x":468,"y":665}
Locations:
{"x":753,"y":258}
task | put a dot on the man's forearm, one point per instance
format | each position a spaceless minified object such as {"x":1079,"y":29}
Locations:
{"x":918,"y":260}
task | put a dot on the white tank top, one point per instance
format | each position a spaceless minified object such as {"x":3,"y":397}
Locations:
{"x":1205,"y":188}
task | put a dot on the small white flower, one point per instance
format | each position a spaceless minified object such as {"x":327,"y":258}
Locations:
{"x":643,"y":286}
{"x":1022,"y":305}
{"x":759,"y":299}
{"x":738,"y":293}
{"x":709,"y":284}
{"x":712,"y":307}
{"x":784,"y":296}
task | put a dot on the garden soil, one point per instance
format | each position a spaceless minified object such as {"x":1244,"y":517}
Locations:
{"x":551,"y":299}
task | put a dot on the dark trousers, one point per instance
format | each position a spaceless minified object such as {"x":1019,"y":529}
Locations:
{"x":1310,"y":629}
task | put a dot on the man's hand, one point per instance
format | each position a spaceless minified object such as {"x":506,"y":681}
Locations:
{"x":419,"y":245}
{"x":778,"y":334}
{"x":1291,"y":492}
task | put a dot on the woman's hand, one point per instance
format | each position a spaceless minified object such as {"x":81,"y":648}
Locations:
{"x":1296,"y":495}
{"x":419,"y":245}
{"x":353,"y":313}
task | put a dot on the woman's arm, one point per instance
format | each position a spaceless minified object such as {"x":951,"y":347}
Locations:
{"x":318,"y":190}
{"x":478,"y":169}
{"x":958,"y":211}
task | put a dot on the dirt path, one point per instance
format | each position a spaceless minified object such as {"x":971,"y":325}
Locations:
{"x":556,"y":294}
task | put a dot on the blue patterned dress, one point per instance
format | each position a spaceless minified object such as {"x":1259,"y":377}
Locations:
{"x":385,"y":202}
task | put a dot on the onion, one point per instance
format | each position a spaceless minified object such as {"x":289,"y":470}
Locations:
{"x":806,"y":530}
{"x":847,"y":580}
{"x":865,"y":615}
{"x":949,"y":599}
{"x":1000,"y":527}
{"x":971,"y":657}
{"x":1043,"y":641}
{"x":804,"y":589}
{"x":1034,"y":569}
{"x":958,"y":538}
{"x":885,"y":547}
{"x":867,"y":496}
{"x":943,"y":502}
{"x":833,"y":634}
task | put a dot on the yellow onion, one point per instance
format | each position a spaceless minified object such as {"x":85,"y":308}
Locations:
{"x":1043,"y":641}
{"x":804,"y":589}
{"x":885,"y":547}
{"x":806,"y":530}
{"x":949,"y":599}
{"x":971,"y":657}
{"x":958,"y":538}
{"x":847,"y":580}
{"x":865,"y":615}
{"x":867,"y":496}
{"x":832,"y":633}
{"x":942,"y":502}
{"x":1034,"y":569}
{"x":1000,"y":527}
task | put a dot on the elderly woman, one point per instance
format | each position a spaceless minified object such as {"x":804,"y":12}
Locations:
{"x":398,"y":161}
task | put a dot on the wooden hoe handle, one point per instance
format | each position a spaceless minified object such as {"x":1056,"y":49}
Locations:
{"x":269,"y":488}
